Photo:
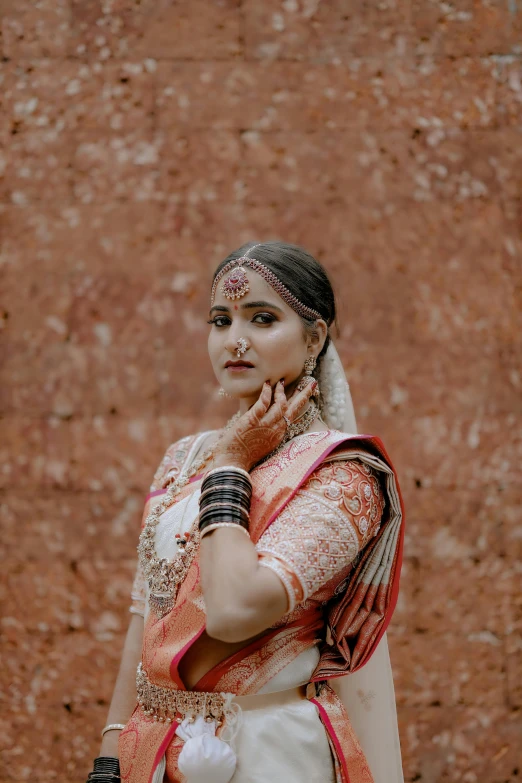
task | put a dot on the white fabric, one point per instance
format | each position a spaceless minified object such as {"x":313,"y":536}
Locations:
{"x":368,"y":694}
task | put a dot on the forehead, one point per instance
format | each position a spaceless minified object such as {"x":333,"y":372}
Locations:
{"x":260,"y":290}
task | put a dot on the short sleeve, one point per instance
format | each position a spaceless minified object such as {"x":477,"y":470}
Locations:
{"x":172,"y":463}
{"x":323,"y":528}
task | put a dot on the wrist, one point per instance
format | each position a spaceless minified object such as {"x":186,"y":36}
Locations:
{"x":109,"y":744}
{"x":224,"y":461}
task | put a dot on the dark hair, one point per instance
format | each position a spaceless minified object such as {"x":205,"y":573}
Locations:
{"x":300,"y":272}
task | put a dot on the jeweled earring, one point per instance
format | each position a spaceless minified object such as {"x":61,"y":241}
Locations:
{"x":309,"y":367}
{"x":223,"y":394}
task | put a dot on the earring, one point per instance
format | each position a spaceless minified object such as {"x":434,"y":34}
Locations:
{"x":309,"y":367}
{"x":223,"y":394}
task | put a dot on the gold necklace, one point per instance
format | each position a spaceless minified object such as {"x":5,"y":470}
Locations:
{"x":165,"y":576}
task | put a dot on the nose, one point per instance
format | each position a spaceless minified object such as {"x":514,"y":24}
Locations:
{"x":235,"y":341}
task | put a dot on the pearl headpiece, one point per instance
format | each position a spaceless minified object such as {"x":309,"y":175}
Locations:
{"x":236,"y":285}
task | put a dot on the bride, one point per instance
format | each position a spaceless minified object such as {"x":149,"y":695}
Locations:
{"x":269,"y":561}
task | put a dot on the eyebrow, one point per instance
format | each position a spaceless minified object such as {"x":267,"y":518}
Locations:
{"x":246,"y":306}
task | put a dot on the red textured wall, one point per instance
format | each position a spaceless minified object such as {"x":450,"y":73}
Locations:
{"x":139,"y":143}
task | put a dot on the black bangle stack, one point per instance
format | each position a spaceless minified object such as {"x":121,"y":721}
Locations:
{"x":225,"y":499}
{"x":106,"y":770}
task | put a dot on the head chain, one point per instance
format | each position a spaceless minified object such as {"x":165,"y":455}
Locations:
{"x":272,"y":280}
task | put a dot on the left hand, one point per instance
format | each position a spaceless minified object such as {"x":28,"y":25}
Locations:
{"x":262,"y":428}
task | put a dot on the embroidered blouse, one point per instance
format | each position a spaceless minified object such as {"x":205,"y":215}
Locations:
{"x":313,"y":543}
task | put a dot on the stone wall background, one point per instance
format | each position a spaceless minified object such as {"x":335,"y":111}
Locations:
{"x":140,"y":142}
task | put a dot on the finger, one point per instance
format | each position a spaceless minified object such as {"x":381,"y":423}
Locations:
{"x":260,"y":407}
{"x":308,"y":380}
{"x":299,"y":401}
{"x":279,"y":394}
{"x":278,"y":409}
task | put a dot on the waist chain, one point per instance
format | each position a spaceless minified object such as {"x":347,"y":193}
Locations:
{"x":167,"y":705}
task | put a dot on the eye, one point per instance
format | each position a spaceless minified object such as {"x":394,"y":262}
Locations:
{"x":219,"y":321}
{"x":264,"y":318}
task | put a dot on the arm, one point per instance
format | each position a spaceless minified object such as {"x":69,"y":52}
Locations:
{"x":313,"y":542}
{"x":241,"y":597}
{"x":124,"y":695}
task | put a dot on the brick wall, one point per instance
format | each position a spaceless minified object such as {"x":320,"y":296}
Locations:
{"x":139,"y":143}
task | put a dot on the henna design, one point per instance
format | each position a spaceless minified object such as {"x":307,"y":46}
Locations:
{"x":261,"y":430}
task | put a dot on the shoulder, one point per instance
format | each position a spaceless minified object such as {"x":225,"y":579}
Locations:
{"x":177,"y":456}
{"x":353,"y":487}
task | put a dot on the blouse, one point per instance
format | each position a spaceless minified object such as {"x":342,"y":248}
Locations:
{"x":313,"y":543}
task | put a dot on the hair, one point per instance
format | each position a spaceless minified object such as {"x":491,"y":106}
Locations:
{"x":300,"y":272}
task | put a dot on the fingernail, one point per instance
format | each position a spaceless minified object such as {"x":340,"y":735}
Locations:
{"x":314,"y":384}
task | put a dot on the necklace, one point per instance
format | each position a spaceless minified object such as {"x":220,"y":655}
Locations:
{"x":165,"y":576}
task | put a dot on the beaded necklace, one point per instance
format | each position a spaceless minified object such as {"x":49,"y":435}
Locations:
{"x":166,"y":576}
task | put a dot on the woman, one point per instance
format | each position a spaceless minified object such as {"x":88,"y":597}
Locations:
{"x":269,"y":562}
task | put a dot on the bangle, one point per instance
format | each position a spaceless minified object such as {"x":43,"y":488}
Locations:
{"x":205,"y":509}
{"x":224,"y":487}
{"x":113,"y":727}
{"x":232,"y":468}
{"x":217,"y":525}
{"x":221,"y":516}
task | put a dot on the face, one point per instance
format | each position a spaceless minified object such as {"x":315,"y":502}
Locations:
{"x":277,"y":343}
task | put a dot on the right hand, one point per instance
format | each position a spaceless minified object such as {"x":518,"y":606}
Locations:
{"x":262,"y":428}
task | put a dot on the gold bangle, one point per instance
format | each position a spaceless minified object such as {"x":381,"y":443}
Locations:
{"x":217,"y":525}
{"x":113,"y":727}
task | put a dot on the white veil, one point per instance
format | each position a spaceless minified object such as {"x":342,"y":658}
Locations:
{"x":367,"y":694}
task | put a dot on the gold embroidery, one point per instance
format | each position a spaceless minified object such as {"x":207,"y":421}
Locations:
{"x":321,"y":530}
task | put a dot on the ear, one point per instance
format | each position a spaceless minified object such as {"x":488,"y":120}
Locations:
{"x":317,"y":337}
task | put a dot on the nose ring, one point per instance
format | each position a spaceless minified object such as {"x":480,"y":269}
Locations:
{"x":242,"y":347}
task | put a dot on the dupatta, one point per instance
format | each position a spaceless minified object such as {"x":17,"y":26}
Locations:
{"x":358,"y":672}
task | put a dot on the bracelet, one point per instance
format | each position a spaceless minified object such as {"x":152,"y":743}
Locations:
{"x":232,"y":468}
{"x":206,"y":509}
{"x":221,"y":495}
{"x":105,"y":775}
{"x":113,"y":727}
{"x":217,"y":525}
{"x":222,"y":487}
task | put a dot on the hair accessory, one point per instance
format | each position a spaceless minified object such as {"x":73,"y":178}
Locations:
{"x":234,"y":284}
{"x":113,"y":727}
{"x":242,"y":347}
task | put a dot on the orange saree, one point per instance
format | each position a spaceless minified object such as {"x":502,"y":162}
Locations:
{"x":327,"y":516}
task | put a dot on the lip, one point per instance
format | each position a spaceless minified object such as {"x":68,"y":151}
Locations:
{"x":238,"y":366}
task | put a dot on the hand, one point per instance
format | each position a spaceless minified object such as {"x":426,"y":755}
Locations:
{"x":261,"y":429}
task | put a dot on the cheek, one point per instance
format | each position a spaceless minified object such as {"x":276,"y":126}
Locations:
{"x":214,"y":347}
{"x":283,"y":348}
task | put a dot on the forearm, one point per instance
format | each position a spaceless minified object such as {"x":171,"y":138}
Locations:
{"x":124,"y":694}
{"x":241,"y":597}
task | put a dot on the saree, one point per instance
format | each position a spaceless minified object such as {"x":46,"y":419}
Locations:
{"x":340,"y":603}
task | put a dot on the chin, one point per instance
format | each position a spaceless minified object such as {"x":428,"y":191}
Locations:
{"x":241,"y":390}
